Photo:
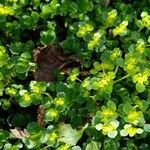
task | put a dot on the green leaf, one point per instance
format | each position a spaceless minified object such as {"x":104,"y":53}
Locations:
{"x":16,"y":47}
{"x":127,"y":107}
{"x":146,"y":127}
{"x":35,"y":17}
{"x":36,"y":3}
{"x":110,"y":144}
{"x":33,"y":128}
{"x":4,"y":135}
{"x":26,"y":21}
{"x":69,"y":135}
{"x":1,"y":76}
{"x":26,"y":55}
{"x":21,"y":68}
{"x":30,"y":144}
{"x":76,"y":148}
{"x":93,"y":146}
{"x":5,"y":104}
{"x":140,"y":87}
{"x":139,"y":24}
{"x":148,"y":39}
{"x":47,"y":37}
{"x":45,"y":10}
{"x":20,"y":120}
{"x":111,"y":104}
{"x":3,"y":58}
{"x":131,"y":48}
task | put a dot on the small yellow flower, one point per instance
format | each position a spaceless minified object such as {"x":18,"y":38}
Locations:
{"x":27,"y":97}
{"x":95,"y":40}
{"x":107,"y":114}
{"x":134,"y":117}
{"x":6,"y":10}
{"x":84,"y":30}
{"x":121,"y":29}
{"x":109,"y":128}
{"x":130,"y":130}
{"x":130,"y":64}
{"x":140,"y":78}
{"x":115,"y":54}
{"x":111,"y":17}
{"x":59,"y":101}
{"x":53,"y":113}
{"x":53,"y":137}
{"x":64,"y":147}
{"x":103,"y":83}
{"x":36,"y":89}
{"x":145,"y":19}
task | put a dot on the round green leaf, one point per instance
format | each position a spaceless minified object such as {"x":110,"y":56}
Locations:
{"x":140,"y":87}
{"x":26,"y":55}
{"x":147,"y":127}
{"x":47,"y":37}
{"x":93,"y":146}
{"x":21,"y":68}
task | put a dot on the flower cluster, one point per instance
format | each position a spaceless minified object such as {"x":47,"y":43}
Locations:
{"x":121,"y":29}
{"x":108,"y":116}
{"x":104,"y":83}
{"x":84,"y":29}
{"x":130,"y":130}
{"x":109,"y":128}
{"x":141,"y":79}
{"x":6,"y":10}
{"x":146,"y":19}
{"x":95,"y":41}
{"x":111,"y":17}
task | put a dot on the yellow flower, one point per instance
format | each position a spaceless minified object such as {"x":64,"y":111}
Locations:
{"x":6,"y":10}
{"x":103,"y":83}
{"x":59,"y":101}
{"x":130,"y":64}
{"x":107,"y":114}
{"x":133,"y":117}
{"x":95,"y":40}
{"x":109,"y":128}
{"x":140,"y":78}
{"x":121,"y":29}
{"x":145,"y":19}
{"x":115,"y":54}
{"x":53,"y":113}
{"x":53,"y":137}
{"x":130,"y":130}
{"x":84,"y":29}
{"x":111,"y":17}
{"x":64,"y":147}
{"x":27,"y":97}
{"x":36,"y":89}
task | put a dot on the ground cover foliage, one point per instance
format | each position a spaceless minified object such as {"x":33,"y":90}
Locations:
{"x":74,"y":74}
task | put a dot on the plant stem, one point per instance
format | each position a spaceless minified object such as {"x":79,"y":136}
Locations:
{"x":79,"y":80}
{"x":116,"y":69}
{"x":124,"y":77}
{"x":148,"y":45}
{"x":48,"y":95}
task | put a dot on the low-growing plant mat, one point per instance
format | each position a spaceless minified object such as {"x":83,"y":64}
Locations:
{"x":74,"y":75}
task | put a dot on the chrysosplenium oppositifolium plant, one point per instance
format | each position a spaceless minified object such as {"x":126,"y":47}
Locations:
{"x":105,"y":104}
